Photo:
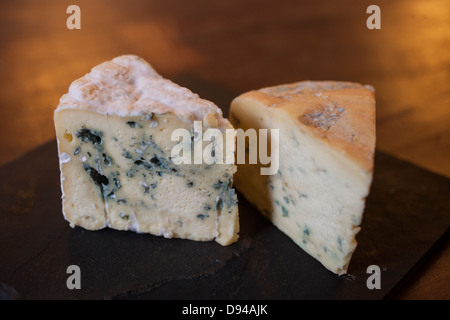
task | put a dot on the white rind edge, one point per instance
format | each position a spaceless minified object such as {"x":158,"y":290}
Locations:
{"x":128,"y":86}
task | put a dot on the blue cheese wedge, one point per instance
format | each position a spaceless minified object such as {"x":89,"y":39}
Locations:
{"x":114,"y":130}
{"x":326,"y":156}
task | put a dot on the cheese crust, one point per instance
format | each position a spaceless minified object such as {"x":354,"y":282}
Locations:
{"x":340,"y":113}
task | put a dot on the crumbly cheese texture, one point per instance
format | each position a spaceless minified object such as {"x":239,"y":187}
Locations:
{"x":114,"y":130}
{"x":326,"y":148}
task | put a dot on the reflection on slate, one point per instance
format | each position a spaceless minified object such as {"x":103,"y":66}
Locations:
{"x":407,"y":213}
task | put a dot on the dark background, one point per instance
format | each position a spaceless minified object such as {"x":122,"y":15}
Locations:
{"x":239,"y":46}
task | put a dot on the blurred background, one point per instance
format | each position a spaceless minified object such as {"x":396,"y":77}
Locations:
{"x":237,"y":45}
{"x":222,"y":48}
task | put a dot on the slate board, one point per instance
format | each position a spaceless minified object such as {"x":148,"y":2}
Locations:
{"x":407,"y":216}
{"x":407,"y":213}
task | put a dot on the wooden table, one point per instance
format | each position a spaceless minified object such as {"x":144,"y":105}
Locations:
{"x":241,"y":45}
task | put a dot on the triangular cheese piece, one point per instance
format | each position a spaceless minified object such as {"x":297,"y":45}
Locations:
{"x":326,"y":154}
{"x":114,"y":131}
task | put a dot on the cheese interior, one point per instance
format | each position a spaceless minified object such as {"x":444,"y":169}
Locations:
{"x":117,"y":172}
{"x":317,"y":196}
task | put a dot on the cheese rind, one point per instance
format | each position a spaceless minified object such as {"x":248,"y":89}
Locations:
{"x":114,"y":132}
{"x":327,"y":142}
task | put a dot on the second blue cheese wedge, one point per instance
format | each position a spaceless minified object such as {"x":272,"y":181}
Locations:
{"x":114,"y":130}
{"x":326,"y":156}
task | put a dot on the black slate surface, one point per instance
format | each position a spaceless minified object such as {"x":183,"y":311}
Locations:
{"x":406,"y":217}
{"x":407,"y":213}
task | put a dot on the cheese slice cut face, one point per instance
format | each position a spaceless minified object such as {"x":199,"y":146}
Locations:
{"x":326,"y":157}
{"x":114,"y":131}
